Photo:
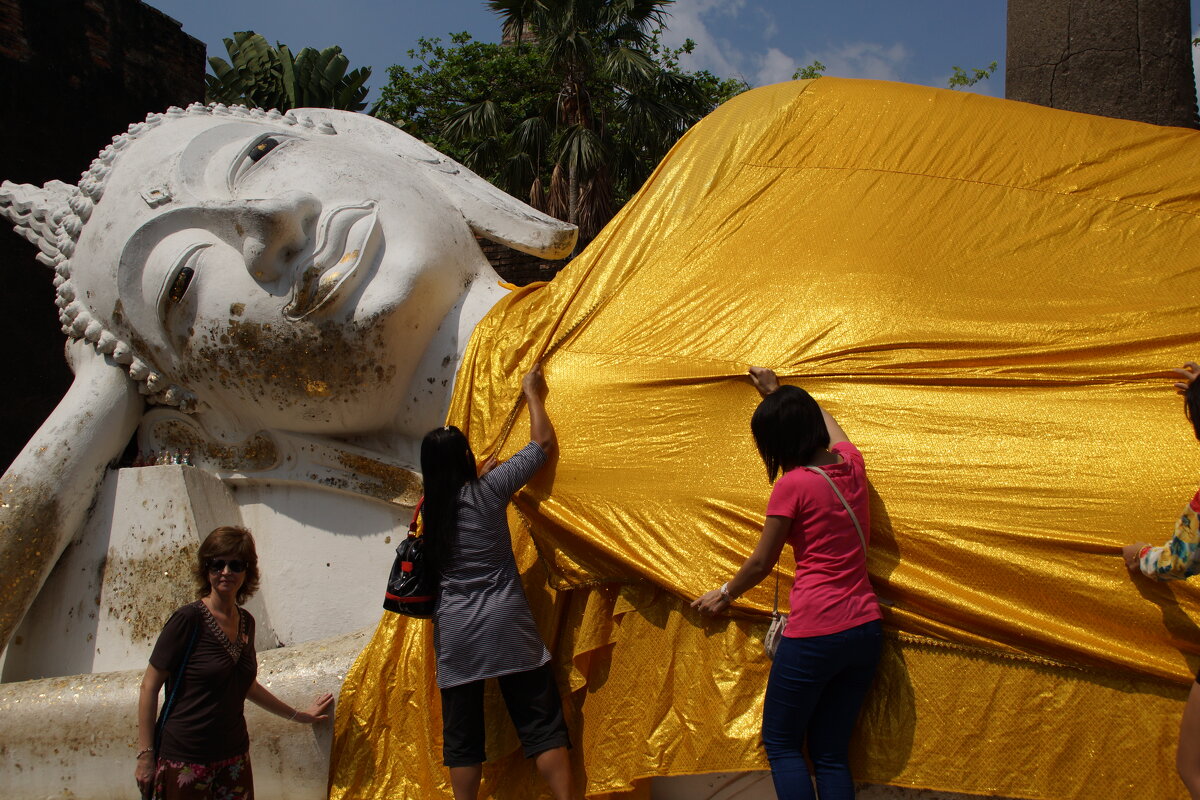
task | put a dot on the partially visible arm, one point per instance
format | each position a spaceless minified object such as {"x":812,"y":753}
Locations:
{"x":152,"y":681}
{"x":262,"y":697}
{"x":836,"y":434}
{"x":1174,"y":560}
{"x":757,"y":566}
{"x":541,"y":430}
{"x":767,"y":382}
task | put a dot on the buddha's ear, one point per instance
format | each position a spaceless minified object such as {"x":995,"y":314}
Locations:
{"x":36,"y":213}
{"x":500,"y":217}
{"x":490,"y":212}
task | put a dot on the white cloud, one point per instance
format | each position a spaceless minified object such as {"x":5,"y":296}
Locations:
{"x":863,"y":60}
{"x":774,"y":67}
{"x":770,"y":26}
{"x":690,"y":20}
{"x":701,"y":21}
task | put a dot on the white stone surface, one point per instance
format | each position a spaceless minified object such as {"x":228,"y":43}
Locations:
{"x":75,"y":737}
{"x":104,"y":604}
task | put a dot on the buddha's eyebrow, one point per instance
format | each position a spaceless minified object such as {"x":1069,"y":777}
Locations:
{"x":200,"y":170}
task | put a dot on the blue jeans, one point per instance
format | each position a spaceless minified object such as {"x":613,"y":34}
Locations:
{"x":816,"y":688}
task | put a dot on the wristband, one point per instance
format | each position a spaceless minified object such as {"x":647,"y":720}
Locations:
{"x":1142,"y":553}
{"x":725,"y":592}
{"x":144,"y":751}
{"x":293,"y":716}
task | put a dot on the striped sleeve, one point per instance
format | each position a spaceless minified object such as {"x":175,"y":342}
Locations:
{"x":1178,"y":558}
{"x":514,"y":473}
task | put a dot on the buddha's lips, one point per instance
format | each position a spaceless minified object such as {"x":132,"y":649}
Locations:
{"x":347,"y":236}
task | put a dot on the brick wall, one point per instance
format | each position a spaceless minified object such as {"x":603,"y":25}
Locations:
{"x":72,"y":74}
{"x":516,"y":267}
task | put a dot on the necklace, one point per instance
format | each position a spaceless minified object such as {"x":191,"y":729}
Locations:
{"x":234,"y":649}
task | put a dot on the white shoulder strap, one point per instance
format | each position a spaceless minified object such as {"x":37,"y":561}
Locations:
{"x":853,"y":516}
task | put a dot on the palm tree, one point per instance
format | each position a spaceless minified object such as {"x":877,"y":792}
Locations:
{"x":258,"y":74}
{"x":615,"y":113}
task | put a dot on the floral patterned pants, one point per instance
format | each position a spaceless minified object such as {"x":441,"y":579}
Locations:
{"x":230,"y":779}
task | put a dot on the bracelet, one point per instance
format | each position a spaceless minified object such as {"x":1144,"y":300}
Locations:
{"x":725,"y":592}
{"x":1142,"y":553}
{"x":293,"y":716}
{"x":144,"y":751}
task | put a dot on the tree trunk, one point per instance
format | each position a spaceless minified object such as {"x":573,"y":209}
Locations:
{"x":1130,"y":59}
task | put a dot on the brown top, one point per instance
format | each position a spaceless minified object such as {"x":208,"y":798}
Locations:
{"x":206,"y":721}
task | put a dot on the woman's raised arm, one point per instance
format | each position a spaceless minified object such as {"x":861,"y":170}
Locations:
{"x":541,"y":430}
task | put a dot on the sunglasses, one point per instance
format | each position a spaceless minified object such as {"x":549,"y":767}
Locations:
{"x":219,"y":565}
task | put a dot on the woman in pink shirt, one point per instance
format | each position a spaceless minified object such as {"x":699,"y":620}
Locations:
{"x":826,"y":660}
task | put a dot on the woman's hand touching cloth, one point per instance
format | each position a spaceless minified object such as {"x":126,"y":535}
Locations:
{"x":534,"y":382}
{"x":1132,"y":553}
{"x":713,"y":602}
{"x":1189,"y":372}
{"x":764,"y":380}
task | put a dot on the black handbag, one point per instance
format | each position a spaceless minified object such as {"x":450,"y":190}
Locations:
{"x":412,"y":586}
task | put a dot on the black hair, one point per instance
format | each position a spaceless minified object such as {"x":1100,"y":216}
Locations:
{"x":789,"y":429}
{"x":447,"y":464}
{"x":1191,"y":406}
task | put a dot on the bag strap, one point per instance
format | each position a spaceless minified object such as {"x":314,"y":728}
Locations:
{"x":166,"y":711}
{"x":840,"y":496}
{"x":412,"y":526}
{"x":853,"y":518}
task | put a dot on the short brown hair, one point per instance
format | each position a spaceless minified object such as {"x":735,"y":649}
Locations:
{"x":228,"y":541}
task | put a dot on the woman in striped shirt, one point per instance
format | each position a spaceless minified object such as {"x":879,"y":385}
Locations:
{"x":482,"y":624}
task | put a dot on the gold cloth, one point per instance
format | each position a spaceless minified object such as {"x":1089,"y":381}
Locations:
{"x":987,"y":295}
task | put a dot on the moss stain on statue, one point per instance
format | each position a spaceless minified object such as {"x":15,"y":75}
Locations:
{"x":141,"y":591}
{"x":34,"y":525}
{"x":287,"y":364}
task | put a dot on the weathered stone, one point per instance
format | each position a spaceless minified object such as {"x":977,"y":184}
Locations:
{"x":1130,"y":59}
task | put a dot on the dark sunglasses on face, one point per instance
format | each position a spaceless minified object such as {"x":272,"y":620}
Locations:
{"x":219,"y":565}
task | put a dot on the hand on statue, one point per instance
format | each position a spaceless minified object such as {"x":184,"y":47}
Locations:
{"x":1130,"y":553}
{"x":315,"y":712}
{"x":534,"y":383}
{"x":764,"y":380}
{"x":1189,"y":372}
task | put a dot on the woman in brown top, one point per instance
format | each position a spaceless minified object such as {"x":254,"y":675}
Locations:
{"x":205,"y":655}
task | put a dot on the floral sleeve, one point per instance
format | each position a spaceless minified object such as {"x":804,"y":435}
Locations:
{"x":1180,"y":557}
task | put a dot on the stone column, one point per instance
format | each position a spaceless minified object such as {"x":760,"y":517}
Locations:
{"x":1130,"y":59}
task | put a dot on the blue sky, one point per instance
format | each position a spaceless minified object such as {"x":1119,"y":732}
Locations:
{"x":763,"y":41}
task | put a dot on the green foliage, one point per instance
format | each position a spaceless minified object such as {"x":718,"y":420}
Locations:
{"x":961,"y":78}
{"x":258,"y":74}
{"x":505,"y":113}
{"x":814,"y":70}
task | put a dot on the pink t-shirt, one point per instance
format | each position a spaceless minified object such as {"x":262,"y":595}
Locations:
{"x":831,"y":592}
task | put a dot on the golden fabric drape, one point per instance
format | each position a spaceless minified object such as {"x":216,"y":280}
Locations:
{"x":987,"y":295}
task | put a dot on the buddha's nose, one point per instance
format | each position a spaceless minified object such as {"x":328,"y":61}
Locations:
{"x":276,"y":232}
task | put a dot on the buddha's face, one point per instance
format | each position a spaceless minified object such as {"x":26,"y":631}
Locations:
{"x":289,"y":278}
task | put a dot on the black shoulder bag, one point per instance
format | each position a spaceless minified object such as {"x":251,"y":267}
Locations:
{"x":412,"y":586}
